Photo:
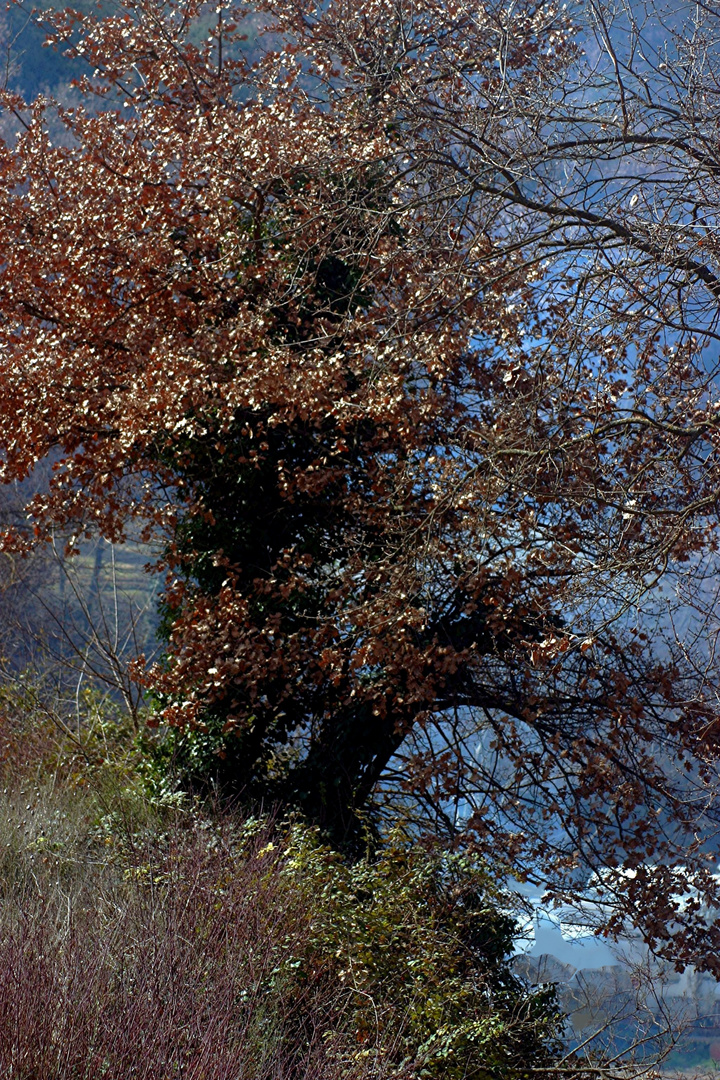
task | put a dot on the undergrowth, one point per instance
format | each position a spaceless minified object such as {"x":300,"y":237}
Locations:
{"x":157,"y":939}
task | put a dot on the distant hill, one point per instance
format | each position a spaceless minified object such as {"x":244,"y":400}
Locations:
{"x":30,"y":67}
{"x":79,"y":618}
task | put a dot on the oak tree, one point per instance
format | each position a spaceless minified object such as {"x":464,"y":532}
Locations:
{"x":274,"y":306}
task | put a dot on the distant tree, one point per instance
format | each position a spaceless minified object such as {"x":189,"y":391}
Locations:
{"x":417,"y":527}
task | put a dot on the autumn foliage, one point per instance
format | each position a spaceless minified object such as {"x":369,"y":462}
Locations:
{"x":267,"y":305}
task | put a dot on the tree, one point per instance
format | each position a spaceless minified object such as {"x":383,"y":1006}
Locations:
{"x":275,"y":307}
{"x":609,"y":169}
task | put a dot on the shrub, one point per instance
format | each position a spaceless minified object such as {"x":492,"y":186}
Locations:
{"x":152,"y":939}
{"x":422,"y":947}
{"x":241,"y":950}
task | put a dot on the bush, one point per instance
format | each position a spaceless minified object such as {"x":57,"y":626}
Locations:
{"x":151,"y":939}
{"x":240,"y":950}
{"x":422,"y":947}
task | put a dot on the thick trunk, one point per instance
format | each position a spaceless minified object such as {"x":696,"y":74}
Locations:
{"x":334,"y":783}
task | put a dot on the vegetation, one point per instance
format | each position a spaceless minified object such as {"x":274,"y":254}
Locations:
{"x":390,"y":333}
{"x":158,"y":941}
{"x":425,"y":436}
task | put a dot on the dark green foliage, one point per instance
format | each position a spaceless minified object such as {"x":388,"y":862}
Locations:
{"x":245,"y":523}
{"x":245,"y":518}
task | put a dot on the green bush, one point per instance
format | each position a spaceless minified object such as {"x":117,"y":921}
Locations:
{"x":421,"y":945}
